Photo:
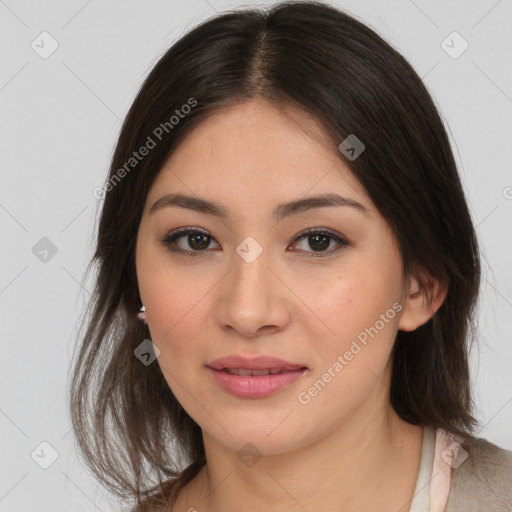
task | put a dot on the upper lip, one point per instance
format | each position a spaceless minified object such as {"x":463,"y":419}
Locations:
{"x":254,"y":363}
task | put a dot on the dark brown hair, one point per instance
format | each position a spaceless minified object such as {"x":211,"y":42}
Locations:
{"x":129,"y":427}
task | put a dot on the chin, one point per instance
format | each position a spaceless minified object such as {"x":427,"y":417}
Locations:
{"x":265,"y":434}
{"x":249,"y":442}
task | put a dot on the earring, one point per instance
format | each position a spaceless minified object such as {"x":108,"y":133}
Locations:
{"x":141,"y":315}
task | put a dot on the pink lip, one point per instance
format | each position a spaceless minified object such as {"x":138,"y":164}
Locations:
{"x":254,"y":363}
{"x":255,"y":386}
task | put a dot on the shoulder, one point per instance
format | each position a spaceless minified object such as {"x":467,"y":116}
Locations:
{"x":481,"y":478}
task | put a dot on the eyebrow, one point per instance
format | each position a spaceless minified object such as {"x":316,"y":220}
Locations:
{"x":280,"y":211}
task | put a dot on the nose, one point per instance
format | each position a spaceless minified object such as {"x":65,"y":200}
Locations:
{"x":253,"y":299}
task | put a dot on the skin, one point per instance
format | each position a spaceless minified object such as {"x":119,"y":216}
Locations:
{"x":346,"y":449}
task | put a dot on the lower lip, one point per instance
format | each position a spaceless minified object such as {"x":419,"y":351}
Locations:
{"x":256,"y":386}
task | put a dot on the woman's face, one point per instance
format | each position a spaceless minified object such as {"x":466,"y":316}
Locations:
{"x":248,"y":285}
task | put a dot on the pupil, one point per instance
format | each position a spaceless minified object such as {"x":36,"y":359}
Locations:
{"x":195,"y":241}
{"x":325,"y":243}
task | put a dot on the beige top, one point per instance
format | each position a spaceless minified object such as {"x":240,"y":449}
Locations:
{"x":439,"y":454}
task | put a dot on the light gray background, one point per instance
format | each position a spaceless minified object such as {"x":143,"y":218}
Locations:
{"x":60,"y":117}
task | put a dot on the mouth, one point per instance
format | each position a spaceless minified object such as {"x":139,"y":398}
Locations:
{"x":254,"y":373}
{"x":264,"y":363}
{"x":255,"y":378}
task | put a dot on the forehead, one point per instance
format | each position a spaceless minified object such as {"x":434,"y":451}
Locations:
{"x":256,"y":152}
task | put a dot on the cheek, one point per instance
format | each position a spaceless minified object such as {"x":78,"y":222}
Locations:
{"x":170,"y":293}
{"x":355,"y":316}
{"x":339,"y":300}
{"x":176,"y":321}
{"x":350,"y":361}
{"x":176,"y":317}
{"x":174,"y":311}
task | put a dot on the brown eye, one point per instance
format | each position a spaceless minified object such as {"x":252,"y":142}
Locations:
{"x":188,"y":241}
{"x":195,"y":242}
{"x":198,"y":241}
{"x":319,"y":241}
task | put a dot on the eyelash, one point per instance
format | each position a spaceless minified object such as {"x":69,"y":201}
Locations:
{"x":173,"y":236}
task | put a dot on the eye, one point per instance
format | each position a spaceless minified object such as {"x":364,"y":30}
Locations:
{"x":196,"y":239}
{"x":319,"y":240}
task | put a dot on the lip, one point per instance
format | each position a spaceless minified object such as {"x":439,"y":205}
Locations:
{"x":254,"y":363}
{"x":255,"y":386}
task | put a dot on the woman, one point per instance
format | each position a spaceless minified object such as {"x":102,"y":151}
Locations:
{"x":287,"y":280}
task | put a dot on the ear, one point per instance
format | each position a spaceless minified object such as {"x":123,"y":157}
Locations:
{"x":417,"y":308}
